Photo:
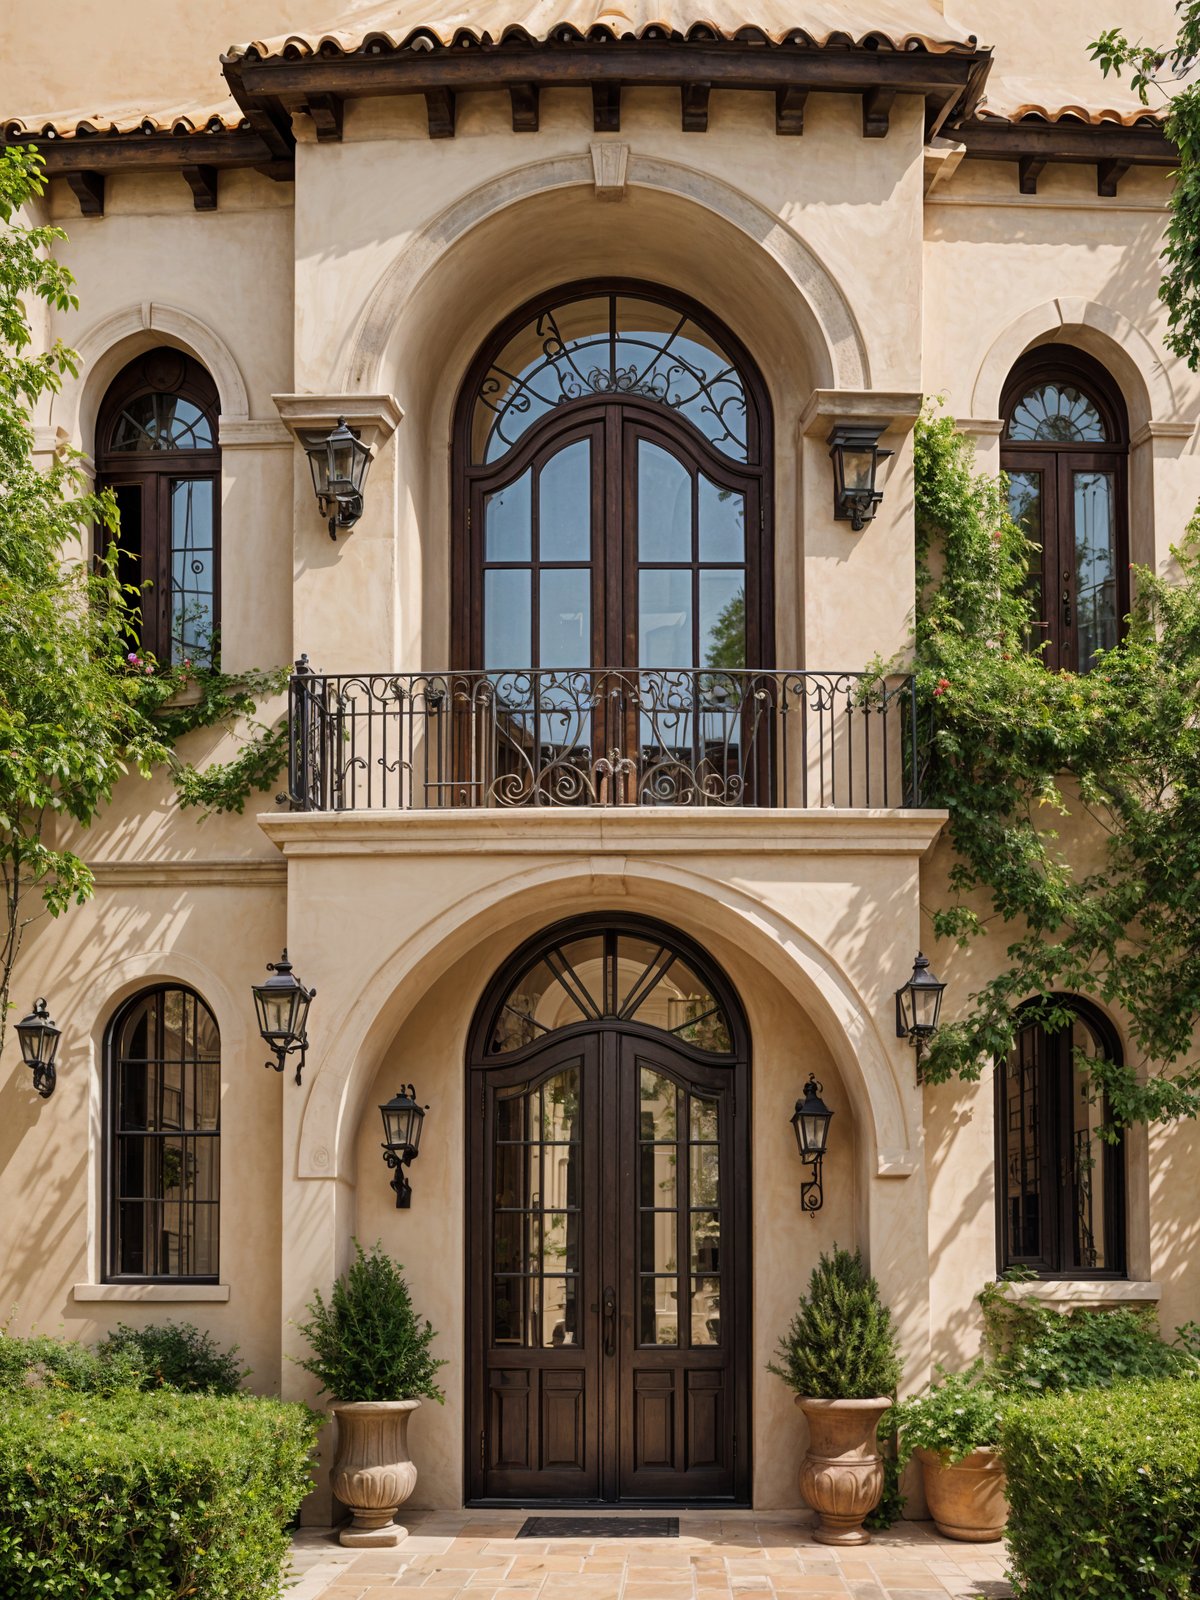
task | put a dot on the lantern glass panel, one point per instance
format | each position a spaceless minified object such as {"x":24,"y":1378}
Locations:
{"x":277,"y":1011}
{"x":39,"y":1039}
{"x":858,"y":469}
{"x":341,"y":459}
{"x":907,"y":1020}
{"x":815,"y":1131}
{"x":926,"y":1003}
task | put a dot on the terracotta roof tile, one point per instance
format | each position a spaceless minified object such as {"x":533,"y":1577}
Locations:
{"x":886,"y":24}
{"x":1143,"y":116}
{"x":76,"y":124}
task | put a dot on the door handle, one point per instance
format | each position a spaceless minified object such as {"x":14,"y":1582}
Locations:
{"x":610,"y":1322}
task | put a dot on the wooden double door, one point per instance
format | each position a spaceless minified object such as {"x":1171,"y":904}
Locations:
{"x":608,"y":1328}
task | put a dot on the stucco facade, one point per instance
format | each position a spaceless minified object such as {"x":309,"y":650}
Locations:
{"x":860,"y":274}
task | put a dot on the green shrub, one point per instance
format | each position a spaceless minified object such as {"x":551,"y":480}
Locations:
{"x":176,"y":1355}
{"x":840,"y":1345}
{"x":959,"y":1413}
{"x":1104,"y":1489}
{"x":1039,"y":1350}
{"x":368,"y":1343}
{"x":148,"y":1496}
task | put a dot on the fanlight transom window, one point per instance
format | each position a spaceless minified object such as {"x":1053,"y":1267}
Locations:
{"x":610,"y":977}
{"x":612,"y":345}
{"x":1057,"y":413}
{"x":161,"y":421}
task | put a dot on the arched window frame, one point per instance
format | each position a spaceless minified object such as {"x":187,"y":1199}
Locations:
{"x":1058,"y":626}
{"x":117,"y":1129}
{"x":1052,"y":1065}
{"x":142,"y":480}
{"x":616,"y":567}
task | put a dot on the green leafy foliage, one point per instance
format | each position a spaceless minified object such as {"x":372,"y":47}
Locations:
{"x":1014,"y":748}
{"x":136,"y":1496}
{"x":1104,"y":1491}
{"x":367,"y":1341}
{"x":841,"y":1344}
{"x":79,"y":707}
{"x":1037,"y":1350}
{"x":176,"y":1355}
{"x":960,"y":1412}
{"x":172,"y":1355}
{"x":1161,"y":73}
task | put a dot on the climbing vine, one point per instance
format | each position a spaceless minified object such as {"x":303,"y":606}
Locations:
{"x":1019,"y":754}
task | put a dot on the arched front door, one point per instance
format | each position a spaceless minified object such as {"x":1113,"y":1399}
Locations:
{"x":608,"y":1189}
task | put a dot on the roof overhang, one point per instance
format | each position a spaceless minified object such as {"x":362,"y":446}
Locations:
{"x":1111,"y":146}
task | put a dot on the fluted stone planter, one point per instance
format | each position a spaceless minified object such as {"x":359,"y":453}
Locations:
{"x":373,"y":1474}
{"x":841,"y":1477}
{"x":966,"y":1498}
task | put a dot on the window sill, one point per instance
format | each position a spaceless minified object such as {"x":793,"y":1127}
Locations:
{"x":1087,"y":1291}
{"x":161,"y":1293}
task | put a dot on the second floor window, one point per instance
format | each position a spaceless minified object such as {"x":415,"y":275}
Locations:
{"x":1065,"y":449}
{"x":157,"y":450}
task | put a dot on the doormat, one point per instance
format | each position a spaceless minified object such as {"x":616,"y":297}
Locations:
{"x":599,"y":1528}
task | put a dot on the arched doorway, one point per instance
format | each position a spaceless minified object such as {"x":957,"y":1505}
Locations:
{"x":608,"y":1216}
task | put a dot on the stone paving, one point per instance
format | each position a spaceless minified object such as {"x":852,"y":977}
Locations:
{"x":719,"y":1556}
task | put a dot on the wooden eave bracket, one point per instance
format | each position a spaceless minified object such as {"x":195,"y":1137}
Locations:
{"x":949,"y":83}
{"x":374,"y":417}
{"x":1112,"y":148}
{"x":88,"y":189}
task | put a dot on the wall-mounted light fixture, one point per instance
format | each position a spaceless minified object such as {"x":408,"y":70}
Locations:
{"x":855,"y":453}
{"x":403,"y":1119}
{"x":282,"y":1004}
{"x":918,"y":1007}
{"x":39,"y":1046}
{"x":338,"y":461}
{"x":810,"y":1123}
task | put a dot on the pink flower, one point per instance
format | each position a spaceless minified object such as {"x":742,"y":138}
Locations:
{"x":149,"y":672}
{"x":132,"y":658}
{"x":942,"y":685}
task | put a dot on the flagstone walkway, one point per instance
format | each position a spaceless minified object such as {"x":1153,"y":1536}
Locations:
{"x":718,"y":1556}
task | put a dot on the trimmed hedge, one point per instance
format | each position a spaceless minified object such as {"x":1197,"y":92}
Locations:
{"x":1104,"y":1487}
{"x":148,"y":1496}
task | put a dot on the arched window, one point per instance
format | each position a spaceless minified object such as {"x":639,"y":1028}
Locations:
{"x":1065,"y":449}
{"x":613,"y":490}
{"x":163,"y":1128}
{"x":1060,"y":1186}
{"x":157,"y":450}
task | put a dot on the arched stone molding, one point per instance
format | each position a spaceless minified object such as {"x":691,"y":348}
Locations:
{"x":108,"y":345}
{"x":1123,"y":349}
{"x":341,"y":1078}
{"x":841,"y":362}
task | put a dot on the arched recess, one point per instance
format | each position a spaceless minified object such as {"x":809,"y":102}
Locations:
{"x":1106,"y":334}
{"x":838,"y":348}
{"x":341,"y":1078}
{"x":110,"y":344}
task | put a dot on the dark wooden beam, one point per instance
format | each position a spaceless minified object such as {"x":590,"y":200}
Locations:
{"x":439,"y":109}
{"x":733,"y":65}
{"x":148,"y":152}
{"x":606,"y":107}
{"x":1029,"y":170}
{"x":524,"y":98}
{"x":326,"y":113}
{"x":877,"y":111}
{"x":1109,"y":175}
{"x":202,"y":181}
{"x":693,"y":99}
{"x":1142,"y":145}
{"x":88,"y":189}
{"x":789,"y":109}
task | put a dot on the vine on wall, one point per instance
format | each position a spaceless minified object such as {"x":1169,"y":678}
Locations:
{"x":1015,"y":750}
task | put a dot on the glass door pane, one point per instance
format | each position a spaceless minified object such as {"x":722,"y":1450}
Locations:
{"x":193,"y":570}
{"x":1096,"y":603}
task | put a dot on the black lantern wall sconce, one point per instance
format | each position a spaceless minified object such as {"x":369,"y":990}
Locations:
{"x":855,"y":453}
{"x":39,"y":1047}
{"x":810,"y":1123}
{"x":403,"y":1118}
{"x":338,"y":461}
{"x":282,"y":1004}
{"x":918,"y":1007}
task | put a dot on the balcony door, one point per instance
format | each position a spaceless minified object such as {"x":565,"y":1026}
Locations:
{"x":613,"y":553}
{"x":609,"y":1161}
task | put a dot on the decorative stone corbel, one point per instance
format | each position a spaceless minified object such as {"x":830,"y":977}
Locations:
{"x":892,"y":409}
{"x":610,"y":162}
{"x":374,"y":417}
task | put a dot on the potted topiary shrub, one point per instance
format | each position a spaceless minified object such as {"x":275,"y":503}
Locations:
{"x":839,"y":1355}
{"x":954,"y":1432}
{"x":371,"y":1353}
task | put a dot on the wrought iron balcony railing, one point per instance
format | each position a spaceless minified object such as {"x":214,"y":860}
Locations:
{"x":576,"y":737}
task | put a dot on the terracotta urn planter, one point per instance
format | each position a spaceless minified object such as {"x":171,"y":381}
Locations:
{"x":966,"y":1498}
{"x":841,"y":1477}
{"x":373,"y":1474}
